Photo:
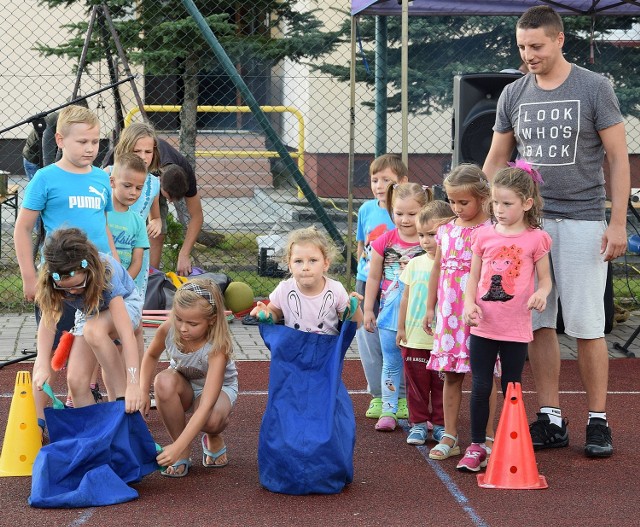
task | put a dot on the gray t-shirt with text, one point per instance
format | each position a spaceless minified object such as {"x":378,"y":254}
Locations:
{"x":557,"y":132}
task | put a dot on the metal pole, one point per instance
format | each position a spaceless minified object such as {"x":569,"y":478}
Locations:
{"x":83,"y":54}
{"x":381,"y":85}
{"x":268,"y":130}
{"x":404,"y":82}
{"x":352,"y":135}
{"x":123,"y":59}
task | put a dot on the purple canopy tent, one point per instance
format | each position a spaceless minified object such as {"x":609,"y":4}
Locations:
{"x":495,"y":7}
{"x":473,"y":8}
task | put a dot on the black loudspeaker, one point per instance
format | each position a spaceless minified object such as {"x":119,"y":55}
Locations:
{"x":475,"y":97}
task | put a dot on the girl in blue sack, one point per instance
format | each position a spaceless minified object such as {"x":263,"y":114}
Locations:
{"x":108,"y":306}
{"x":307,"y":434}
{"x":201,"y":377}
{"x":309,"y":300}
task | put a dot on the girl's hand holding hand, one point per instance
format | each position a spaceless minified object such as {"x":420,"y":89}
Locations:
{"x":132,"y":398}
{"x":537,"y":301}
{"x":472,"y":315}
{"x":401,"y":337}
{"x":369,"y":321}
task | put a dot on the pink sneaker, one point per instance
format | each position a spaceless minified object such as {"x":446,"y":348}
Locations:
{"x":386,"y":423}
{"x":475,"y":458}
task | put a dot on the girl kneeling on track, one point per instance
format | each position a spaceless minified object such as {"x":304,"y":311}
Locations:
{"x":201,"y":376}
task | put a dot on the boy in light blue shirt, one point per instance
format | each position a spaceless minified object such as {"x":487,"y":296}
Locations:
{"x":127,"y":227}
{"x":69,"y":193}
{"x":373,"y":221}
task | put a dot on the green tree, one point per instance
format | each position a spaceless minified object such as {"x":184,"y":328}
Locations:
{"x":162,"y":36}
{"x":443,"y":46}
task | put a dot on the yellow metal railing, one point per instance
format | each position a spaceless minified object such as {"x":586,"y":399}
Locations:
{"x":299,"y":154}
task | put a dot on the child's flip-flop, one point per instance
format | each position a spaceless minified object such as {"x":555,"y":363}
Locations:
{"x":213,"y":455}
{"x":181,"y":462}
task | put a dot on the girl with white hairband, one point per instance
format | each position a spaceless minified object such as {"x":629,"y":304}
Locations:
{"x":201,"y":377}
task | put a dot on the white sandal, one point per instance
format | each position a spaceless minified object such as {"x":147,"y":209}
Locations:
{"x":443,"y":451}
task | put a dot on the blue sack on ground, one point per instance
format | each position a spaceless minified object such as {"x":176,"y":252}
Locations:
{"x":308,"y":430}
{"x":95,"y":453}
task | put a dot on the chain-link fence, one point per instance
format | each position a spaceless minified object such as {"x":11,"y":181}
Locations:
{"x":294,"y":57}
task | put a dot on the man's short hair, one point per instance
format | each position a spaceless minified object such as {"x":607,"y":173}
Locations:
{"x":129,"y":161}
{"x":75,"y":114}
{"x":173,"y":180}
{"x":541,"y":16}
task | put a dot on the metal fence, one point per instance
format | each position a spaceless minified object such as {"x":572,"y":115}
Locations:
{"x":294,"y":57}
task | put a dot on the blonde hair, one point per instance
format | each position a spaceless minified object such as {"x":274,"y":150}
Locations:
{"x":438,"y":211}
{"x":65,"y":251}
{"x":75,"y":114}
{"x":469,"y":177}
{"x":522,"y":184}
{"x":312,"y":236}
{"x":129,"y":137}
{"x":422,"y":194}
{"x":128,"y":161}
{"x":210,"y":302}
{"x":392,"y":162}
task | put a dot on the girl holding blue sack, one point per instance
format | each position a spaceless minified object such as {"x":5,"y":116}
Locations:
{"x":307,"y":434}
{"x":108,"y":306}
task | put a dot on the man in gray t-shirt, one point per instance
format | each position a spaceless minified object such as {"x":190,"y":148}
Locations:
{"x":563,"y":118}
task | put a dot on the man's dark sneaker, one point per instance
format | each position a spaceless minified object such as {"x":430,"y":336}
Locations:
{"x":544,"y":434}
{"x":598,"y":443}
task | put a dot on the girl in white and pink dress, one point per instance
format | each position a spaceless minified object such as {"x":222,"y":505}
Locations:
{"x":467,"y":190}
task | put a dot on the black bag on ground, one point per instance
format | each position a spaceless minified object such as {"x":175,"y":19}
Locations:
{"x":160,"y":291}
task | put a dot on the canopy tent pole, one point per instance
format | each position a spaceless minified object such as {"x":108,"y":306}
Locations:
{"x":381,"y":85}
{"x":352,"y":135}
{"x":404,"y":82}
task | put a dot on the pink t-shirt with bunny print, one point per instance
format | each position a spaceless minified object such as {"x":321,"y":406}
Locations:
{"x":313,"y":314}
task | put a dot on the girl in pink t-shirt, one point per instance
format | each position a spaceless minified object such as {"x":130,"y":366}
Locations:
{"x":500,"y":293}
{"x":390,"y":254}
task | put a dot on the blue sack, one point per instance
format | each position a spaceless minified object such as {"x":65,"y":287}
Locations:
{"x":95,"y":453}
{"x":308,"y":430}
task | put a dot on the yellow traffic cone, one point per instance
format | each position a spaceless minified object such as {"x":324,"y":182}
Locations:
{"x":22,"y":439}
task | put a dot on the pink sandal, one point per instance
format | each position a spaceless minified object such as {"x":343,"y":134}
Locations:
{"x":386,"y":423}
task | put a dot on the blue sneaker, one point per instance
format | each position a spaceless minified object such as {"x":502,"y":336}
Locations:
{"x":417,"y":435}
{"x":438,"y":433}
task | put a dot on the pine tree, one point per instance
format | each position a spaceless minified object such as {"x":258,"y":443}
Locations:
{"x":443,"y":46}
{"x":162,"y":36}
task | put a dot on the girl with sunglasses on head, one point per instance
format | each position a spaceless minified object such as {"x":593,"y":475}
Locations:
{"x":108,"y":306}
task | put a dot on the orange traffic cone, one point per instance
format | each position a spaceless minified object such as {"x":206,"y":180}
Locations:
{"x":512,"y":464}
{"x":22,"y":439}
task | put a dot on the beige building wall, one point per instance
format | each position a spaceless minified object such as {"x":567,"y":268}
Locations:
{"x":31,"y":83}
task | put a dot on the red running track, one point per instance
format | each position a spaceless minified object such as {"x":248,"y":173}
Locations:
{"x":394,"y":483}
